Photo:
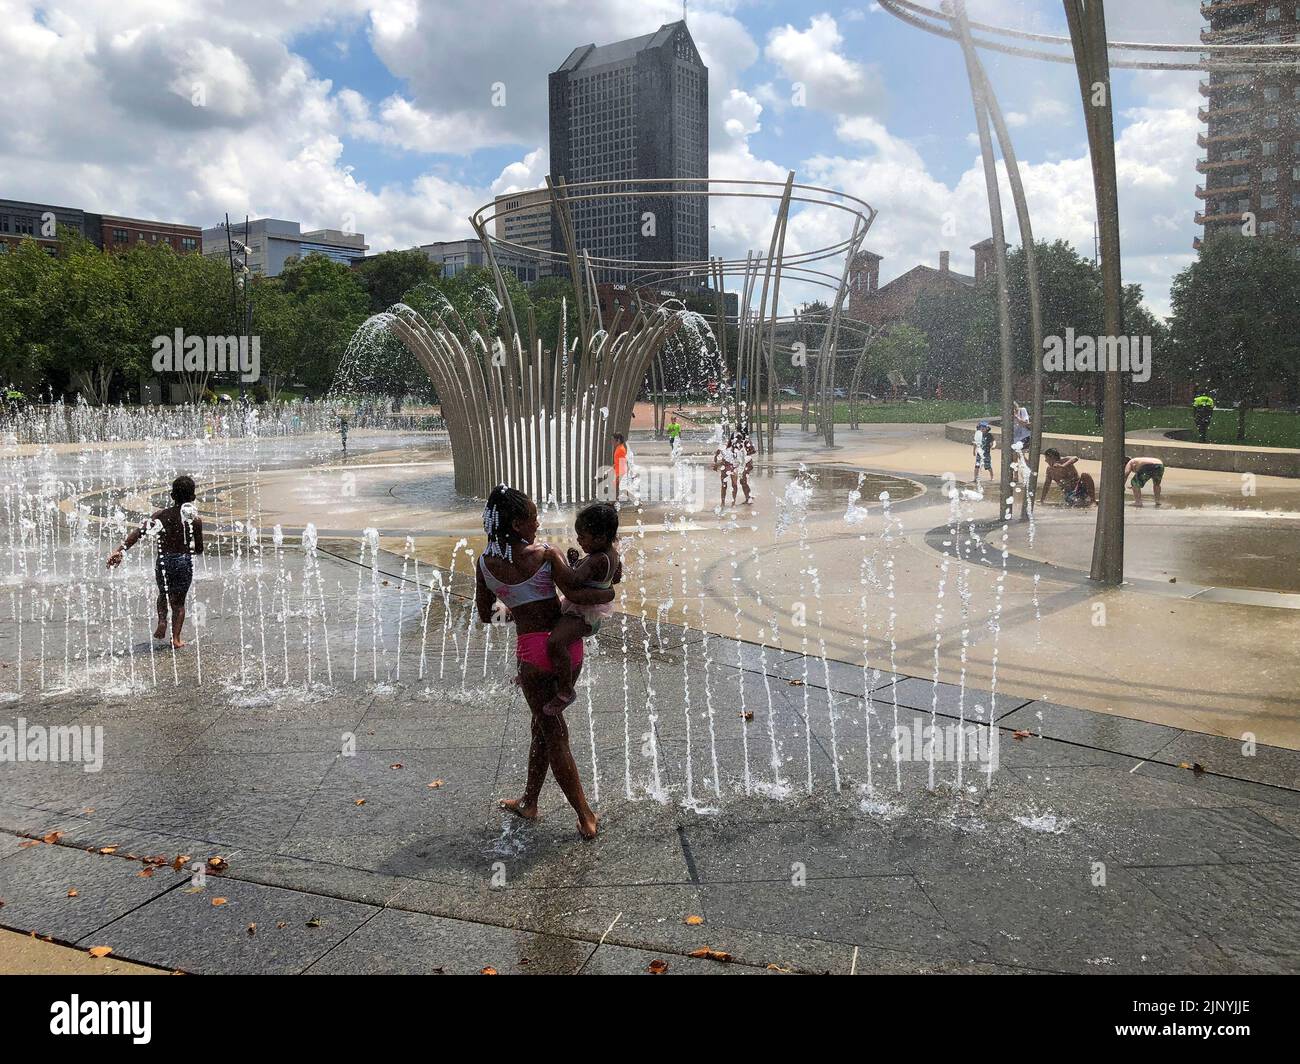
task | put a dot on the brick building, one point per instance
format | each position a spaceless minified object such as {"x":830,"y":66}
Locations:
{"x":118,"y":234}
{"x":883,"y":305}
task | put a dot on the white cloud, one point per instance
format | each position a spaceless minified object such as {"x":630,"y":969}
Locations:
{"x":813,"y":58}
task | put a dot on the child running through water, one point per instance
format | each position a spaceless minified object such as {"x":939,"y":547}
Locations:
{"x":180,"y":536}
{"x":597,"y":529}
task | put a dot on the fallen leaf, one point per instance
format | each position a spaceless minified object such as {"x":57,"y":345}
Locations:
{"x":281,"y":925}
{"x":179,"y":862}
{"x":217,"y":864}
{"x":488,"y":971}
{"x":146,"y":872}
{"x":436,"y":784}
{"x":159,"y":859}
{"x":704,"y":953}
{"x":218,"y":901}
{"x":72,"y":893}
{"x":747,"y":715}
{"x":252,"y":929}
{"x":1024,"y":734}
{"x":108,"y":849}
{"x":28,"y":842}
{"x":52,"y":838}
{"x":397,"y":765}
{"x":694,"y":921}
{"x":778,"y":968}
{"x":657,"y":967}
{"x":314,"y":922}
{"x":100,"y":951}
{"x":87,"y":811}
{"x":795,"y":683}
{"x":192,"y":890}
{"x":1184,"y":764}
{"x":359,"y":801}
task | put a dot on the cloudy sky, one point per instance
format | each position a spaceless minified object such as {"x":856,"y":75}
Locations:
{"x":380,"y":113}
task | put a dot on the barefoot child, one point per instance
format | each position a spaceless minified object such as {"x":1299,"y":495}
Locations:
{"x":517,"y":573}
{"x":180,"y":536}
{"x":597,"y":529}
{"x":983,"y":450}
{"x":1144,"y":470}
{"x":1077,"y":488}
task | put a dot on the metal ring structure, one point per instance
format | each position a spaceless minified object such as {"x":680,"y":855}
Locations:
{"x":1129,"y":55}
{"x":1090,"y":52}
{"x":539,"y":419}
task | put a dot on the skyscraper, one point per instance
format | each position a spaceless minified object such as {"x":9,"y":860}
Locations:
{"x":1252,"y":138}
{"x":633,"y":110}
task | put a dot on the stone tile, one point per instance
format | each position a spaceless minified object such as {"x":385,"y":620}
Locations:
{"x":845,"y":677}
{"x":723,"y":852}
{"x":409,"y":943}
{"x":1250,"y":913}
{"x":1102,"y":731}
{"x":1268,"y":764}
{"x":623,"y":960}
{"x":1157,"y":837}
{"x":1058,"y":921}
{"x":888,"y":911}
{"x":34,"y":884}
{"x":187,"y":932}
{"x":916,"y":693}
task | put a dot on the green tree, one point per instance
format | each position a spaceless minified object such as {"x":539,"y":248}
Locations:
{"x":330,"y":305}
{"x":27,"y":283}
{"x":899,"y":354}
{"x":388,"y":277}
{"x":95,"y":329}
{"x":1236,"y":319}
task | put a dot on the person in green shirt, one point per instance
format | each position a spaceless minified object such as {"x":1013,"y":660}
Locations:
{"x":675,"y":436}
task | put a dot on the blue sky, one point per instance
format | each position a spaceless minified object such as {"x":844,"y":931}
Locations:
{"x":378,"y":112}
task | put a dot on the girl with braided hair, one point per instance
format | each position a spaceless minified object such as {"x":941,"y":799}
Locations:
{"x":522,"y":576}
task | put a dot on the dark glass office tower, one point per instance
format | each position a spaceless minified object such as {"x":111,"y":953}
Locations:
{"x":633,"y":110}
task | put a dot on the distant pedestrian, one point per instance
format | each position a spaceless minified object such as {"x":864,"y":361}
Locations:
{"x":675,"y":437}
{"x":1022,"y":429}
{"x":620,"y":464}
{"x":343,"y":431}
{"x":982,"y":446}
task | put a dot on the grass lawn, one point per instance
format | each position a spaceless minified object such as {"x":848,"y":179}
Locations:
{"x":927,"y":412}
{"x":1264,"y":428}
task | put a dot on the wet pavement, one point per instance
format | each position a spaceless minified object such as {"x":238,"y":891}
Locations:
{"x":339,"y":736}
{"x":357,"y":825}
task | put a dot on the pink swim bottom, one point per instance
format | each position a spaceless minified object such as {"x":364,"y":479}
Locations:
{"x":531,"y":647}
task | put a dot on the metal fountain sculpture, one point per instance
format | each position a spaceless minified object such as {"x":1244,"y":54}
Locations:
{"x":540,"y":418}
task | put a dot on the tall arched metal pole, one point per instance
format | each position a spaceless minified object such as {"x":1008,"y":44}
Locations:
{"x":962,"y":27}
{"x":1087,"y":20}
{"x":1031,"y":280}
